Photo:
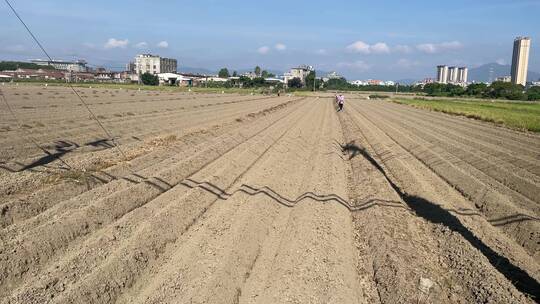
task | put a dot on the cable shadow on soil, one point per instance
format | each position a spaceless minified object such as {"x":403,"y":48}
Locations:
{"x":517,"y":218}
{"x":433,"y":213}
{"x":278,"y":198}
{"x":60,"y":148}
{"x":353,"y":150}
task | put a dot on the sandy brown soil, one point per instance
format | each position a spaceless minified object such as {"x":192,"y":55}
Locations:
{"x":254,"y":199}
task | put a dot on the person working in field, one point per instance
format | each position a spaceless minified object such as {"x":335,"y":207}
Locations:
{"x":341,"y":102}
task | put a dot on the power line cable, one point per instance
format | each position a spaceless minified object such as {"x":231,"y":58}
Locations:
{"x":109,"y":135}
{"x":29,"y":137}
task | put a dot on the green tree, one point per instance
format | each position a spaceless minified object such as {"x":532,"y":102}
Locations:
{"x":294,"y":83}
{"x":533,"y":93}
{"x":223,"y":73}
{"x":499,"y":89}
{"x":13,"y":65}
{"x":454,"y":90}
{"x":339,"y":84}
{"x":149,"y":79}
{"x":266,"y":74}
{"x":257,"y":70}
{"x":435,"y":89}
{"x":476,"y":89}
{"x":245,"y":81}
{"x":258,"y":82}
{"x":235,"y":74}
{"x":311,"y":80}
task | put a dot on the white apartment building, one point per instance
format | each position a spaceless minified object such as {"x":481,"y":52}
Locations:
{"x":153,"y":64}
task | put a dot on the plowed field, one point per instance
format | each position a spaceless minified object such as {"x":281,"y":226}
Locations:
{"x":223,"y":198}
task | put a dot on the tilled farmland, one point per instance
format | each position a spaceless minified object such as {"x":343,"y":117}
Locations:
{"x":229,"y":198}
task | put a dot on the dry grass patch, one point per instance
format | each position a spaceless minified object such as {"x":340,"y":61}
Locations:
{"x":163,"y":141}
{"x":79,"y":175}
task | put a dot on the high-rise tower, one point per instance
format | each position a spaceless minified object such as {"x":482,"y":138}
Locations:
{"x":442,"y":73}
{"x":463,"y":74}
{"x":520,"y":60}
{"x":452,"y":74}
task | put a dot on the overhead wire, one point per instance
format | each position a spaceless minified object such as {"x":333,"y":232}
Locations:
{"x":29,"y":136}
{"x":108,"y":134}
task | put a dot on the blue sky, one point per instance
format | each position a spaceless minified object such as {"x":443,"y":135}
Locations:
{"x":359,"y":39}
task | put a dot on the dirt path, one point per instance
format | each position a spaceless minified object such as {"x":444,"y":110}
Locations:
{"x":276,"y":200}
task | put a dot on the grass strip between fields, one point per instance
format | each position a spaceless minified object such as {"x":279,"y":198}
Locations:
{"x":516,"y":115}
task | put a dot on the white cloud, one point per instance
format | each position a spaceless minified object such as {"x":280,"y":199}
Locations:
{"x":364,"y":48}
{"x":359,"y":47}
{"x":163,"y":44}
{"x":379,"y":48}
{"x":403,"y":49}
{"x":427,"y":48}
{"x":433,"y":48}
{"x":451,"y":45}
{"x":501,"y":61}
{"x":406,"y":63}
{"x":113,"y":43}
{"x":280,"y":47}
{"x":141,"y":45}
{"x":263,"y":50}
{"x":356,"y":65}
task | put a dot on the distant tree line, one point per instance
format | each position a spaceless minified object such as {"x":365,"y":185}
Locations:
{"x":341,"y":84}
{"x":253,"y":83}
{"x":244,"y":81}
{"x":502,"y":90}
{"x":224,"y":73}
{"x":13,"y":65}
{"x":497,"y":89}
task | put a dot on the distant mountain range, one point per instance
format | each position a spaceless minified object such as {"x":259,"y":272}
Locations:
{"x":490,"y":71}
{"x":241,"y":71}
{"x":192,"y":70}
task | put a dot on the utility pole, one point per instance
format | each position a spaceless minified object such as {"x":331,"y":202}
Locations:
{"x":314,"y":78}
